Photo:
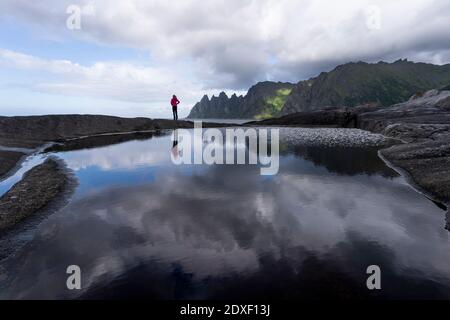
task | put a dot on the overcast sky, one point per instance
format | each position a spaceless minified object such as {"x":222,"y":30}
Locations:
{"x":130,"y":56}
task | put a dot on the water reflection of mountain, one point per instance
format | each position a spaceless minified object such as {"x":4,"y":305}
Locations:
{"x":344,"y":160}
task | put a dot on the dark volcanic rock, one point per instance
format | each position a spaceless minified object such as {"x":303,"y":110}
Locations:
{"x":37,"y":189}
{"x":413,"y":132}
{"x":431,"y":108}
{"x":331,"y":117}
{"x":58,"y":127}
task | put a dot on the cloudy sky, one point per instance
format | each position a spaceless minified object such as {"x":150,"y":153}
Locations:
{"x":129,"y":56}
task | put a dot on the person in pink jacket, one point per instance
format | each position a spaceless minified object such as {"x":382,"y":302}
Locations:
{"x":174,"y":102}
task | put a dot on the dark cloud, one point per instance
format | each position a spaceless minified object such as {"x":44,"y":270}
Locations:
{"x":232,"y":44}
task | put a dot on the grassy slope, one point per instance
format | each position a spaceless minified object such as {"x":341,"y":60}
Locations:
{"x":274,"y":104}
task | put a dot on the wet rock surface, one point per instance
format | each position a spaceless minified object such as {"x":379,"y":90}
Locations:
{"x":423,"y":123}
{"x":38,"y":188}
{"x":427,"y":163}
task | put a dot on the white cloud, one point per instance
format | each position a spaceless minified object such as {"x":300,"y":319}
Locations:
{"x":236,"y":38}
{"x":123,"y":81}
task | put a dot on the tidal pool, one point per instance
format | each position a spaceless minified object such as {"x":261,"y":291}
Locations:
{"x":139,"y":226}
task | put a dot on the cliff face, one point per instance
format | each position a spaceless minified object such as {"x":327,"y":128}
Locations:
{"x":264,"y":99}
{"x":359,"y":83}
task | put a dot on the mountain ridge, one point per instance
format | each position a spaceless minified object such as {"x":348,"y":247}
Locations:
{"x":262,"y":100}
{"x":347,"y":85}
{"x":358,"y":83}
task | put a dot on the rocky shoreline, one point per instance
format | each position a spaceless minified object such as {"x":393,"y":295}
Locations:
{"x":420,"y":127}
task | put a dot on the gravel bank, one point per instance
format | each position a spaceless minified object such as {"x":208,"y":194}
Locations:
{"x":332,"y":137}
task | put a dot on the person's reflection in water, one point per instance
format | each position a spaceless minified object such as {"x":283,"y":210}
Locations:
{"x":175,"y":152}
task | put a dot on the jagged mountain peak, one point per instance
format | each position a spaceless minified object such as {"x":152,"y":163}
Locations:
{"x":262,"y":99}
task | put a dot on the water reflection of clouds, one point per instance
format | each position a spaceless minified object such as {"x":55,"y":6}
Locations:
{"x":226,"y":221}
{"x":339,"y":206}
{"x":133,"y":154}
{"x":126,"y":156}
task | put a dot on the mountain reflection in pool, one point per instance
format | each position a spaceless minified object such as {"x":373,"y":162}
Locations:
{"x":141,"y":227}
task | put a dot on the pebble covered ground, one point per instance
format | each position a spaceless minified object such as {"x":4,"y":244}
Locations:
{"x":332,"y":137}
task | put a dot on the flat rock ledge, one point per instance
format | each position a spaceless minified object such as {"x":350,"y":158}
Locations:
{"x":427,"y":163}
{"x":38,"y":188}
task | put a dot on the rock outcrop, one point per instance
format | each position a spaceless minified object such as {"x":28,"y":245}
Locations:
{"x":433,"y":107}
{"x":35,"y":130}
{"x":57,"y":127}
{"x":423,"y":123}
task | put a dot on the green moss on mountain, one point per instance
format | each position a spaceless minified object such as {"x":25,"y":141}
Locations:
{"x":274,"y":104}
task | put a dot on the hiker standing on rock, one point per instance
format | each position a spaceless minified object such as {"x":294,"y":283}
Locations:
{"x":174,"y":102}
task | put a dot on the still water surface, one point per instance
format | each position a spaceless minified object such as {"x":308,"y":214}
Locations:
{"x":141,"y":227}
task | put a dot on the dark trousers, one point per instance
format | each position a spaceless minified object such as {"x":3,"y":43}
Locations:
{"x":175,"y":113}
